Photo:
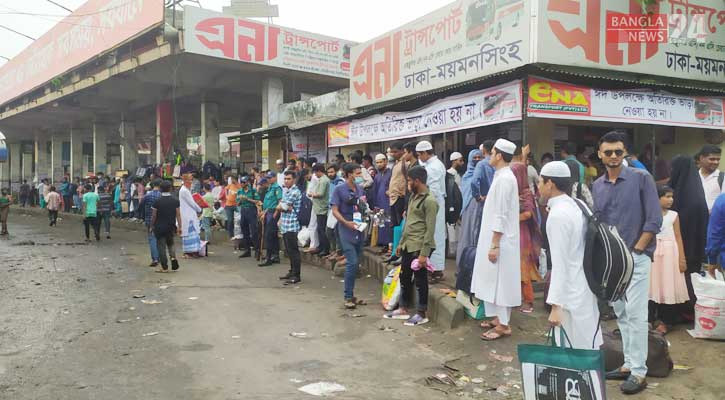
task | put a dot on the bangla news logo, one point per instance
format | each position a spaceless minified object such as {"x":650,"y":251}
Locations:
{"x":653,"y":28}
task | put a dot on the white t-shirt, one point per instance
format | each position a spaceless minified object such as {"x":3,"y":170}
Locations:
{"x":711,"y":187}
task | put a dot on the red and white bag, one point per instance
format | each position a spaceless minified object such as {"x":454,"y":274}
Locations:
{"x":710,"y":306}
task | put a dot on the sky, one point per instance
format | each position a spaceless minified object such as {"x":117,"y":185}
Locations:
{"x":356,"y":20}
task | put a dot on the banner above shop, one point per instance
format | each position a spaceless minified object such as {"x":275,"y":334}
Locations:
{"x":484,"y":107}
{"x":306,"y":145}
{"x":226,"y":36}
{"x":551,"y":99}
{"x":686,"y":40}
{"x":462,"y":41}
{"x":93,"y":28}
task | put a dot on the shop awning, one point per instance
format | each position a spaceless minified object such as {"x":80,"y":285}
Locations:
{"x":660,"y":82}
{"x":261,"y":132}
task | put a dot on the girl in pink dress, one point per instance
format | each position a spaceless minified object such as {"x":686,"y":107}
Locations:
{"x":667,"y":279}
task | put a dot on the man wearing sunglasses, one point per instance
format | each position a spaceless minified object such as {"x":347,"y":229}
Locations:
{"x":627,"y":198}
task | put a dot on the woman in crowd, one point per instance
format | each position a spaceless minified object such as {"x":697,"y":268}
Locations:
{"x":472,"y":209}
{"x":689,"y":203}
{"x":190,"y":228}
{"x":529,"y":237}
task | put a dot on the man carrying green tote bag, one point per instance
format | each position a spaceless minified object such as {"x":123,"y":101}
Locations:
{"x":552,"y":372}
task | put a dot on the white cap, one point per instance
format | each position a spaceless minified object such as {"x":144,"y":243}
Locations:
{"x":556,"y":169}
{"x":505,"y":146}
{"x":380,"y":157}
{"x":456,"y":156}
{"x":423,"y":145}
{"x":280,"y":162}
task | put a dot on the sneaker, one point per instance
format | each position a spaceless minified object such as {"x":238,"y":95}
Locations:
{"x":416,"y":320}
{"x":174,"y":264}
{"x":350,"y":304}
{"x":396,"y":314}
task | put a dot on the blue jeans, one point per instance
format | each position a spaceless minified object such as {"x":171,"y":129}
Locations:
{"x":152,"y":246}
{"x":352,"y":252}
{"x":105,"y":217}
{"x":206,"y":226}
{"x":632,"y":317}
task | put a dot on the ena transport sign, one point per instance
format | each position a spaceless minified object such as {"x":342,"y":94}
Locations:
{"x":226,"y":36}
{"x":95,"y":27}
{"x":552,"y":99}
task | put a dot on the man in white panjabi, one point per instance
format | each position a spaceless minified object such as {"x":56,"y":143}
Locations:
{"x":573,"y":305}
{"x":436,"y":183}
{"x":497,"y":267}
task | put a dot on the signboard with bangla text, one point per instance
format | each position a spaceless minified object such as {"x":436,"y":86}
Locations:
{"x":93,"y":28}
{"x":584,"y":33}
{"x":552,"y":99}
{"x":464,"y":40}
{"x":226,"y":36}
{"x":480,"y":108}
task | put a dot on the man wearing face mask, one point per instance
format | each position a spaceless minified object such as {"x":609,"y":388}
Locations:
{"x":436,"y":182}
{"x":347,"y":208}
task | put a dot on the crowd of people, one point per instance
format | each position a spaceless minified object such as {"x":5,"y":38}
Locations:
{"x":506,"y":219}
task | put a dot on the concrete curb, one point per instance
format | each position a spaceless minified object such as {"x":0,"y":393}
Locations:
{"x":442,"y":309}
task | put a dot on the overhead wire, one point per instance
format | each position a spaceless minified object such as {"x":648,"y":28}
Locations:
{"x":59,"y":5}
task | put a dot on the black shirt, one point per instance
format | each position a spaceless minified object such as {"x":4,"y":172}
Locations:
{"x":165,"y":207}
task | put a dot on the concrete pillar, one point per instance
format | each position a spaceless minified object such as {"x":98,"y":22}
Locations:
{"x":14,"y":155}
{"x":158,"y":139}
{"x":42,"y":157}
{"x":129,"y":153}
{"x":27,"y":163}
{"x":100,"y":163}
{"x":209,"y":132}
{"x":272,"y":99}
{"x":56,"y":157}
{"x":76,"y":152}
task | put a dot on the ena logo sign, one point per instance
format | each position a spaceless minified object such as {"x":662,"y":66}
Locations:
{"x":571,"y":387}
{"x":558,"y":97}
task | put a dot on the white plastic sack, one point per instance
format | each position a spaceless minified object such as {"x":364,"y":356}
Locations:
{"x":710,"y":307}
{"x":543,"y":263}
{"x":303,"y":236}
{"x":238,"y":225}
{"x":331,"y":220}
{"x":322,"y":389}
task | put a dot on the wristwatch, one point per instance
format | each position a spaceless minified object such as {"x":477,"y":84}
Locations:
{"x":638,"y":252}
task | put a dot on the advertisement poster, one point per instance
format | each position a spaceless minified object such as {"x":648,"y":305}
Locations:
{"x":93,"y":28}
{"x":305,"y":145}
{"x":551,"y":99}
{"x":484,"y":107}
{"x":580,"y":34}
{"x":226,"y":36}
{"x":464,"y":40}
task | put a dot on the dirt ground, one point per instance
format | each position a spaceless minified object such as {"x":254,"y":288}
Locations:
{"x":221,"y":328}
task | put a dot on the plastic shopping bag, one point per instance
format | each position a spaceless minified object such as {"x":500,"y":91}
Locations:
{"x":710,"y":306}
{"x":472,"y":306}
{"x":561,"y":372}
{"x":303,"y":236}
{"x":391,"y":289}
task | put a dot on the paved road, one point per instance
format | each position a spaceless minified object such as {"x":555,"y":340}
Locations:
{"x":72,"y":329}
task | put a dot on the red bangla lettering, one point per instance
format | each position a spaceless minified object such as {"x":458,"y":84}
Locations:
{"x":212,"y":25}
{"x":379,"y":66}
{"x":588,"y":40}
{"x":254,"y":42}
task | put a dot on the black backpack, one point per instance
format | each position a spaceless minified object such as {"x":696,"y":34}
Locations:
{"x":465,"y":269}
{"x":454,"y":200}
{"x":304,"y":215}
{"x":608,"y":263}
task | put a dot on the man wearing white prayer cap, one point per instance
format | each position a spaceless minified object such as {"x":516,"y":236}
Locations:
{"x":457,"y":164}
{"x":497,"y":267}
{"x":573,"y":305}
{"x":436,"y":183}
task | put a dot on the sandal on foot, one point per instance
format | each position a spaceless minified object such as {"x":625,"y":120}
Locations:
{"x":495,"y":334}
{"x":488,"y":324}
{"x":359,"y":302}
{"x":162,"y":270}
{"x":350,"y":304}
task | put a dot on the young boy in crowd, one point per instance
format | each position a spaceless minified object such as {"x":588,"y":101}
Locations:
{"x":416,"y":245}
{"x":5,"y":200}
{"x":165,"y":223}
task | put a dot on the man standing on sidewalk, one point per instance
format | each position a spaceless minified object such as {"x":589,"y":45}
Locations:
{"x":320,"y":207}
{"x":230,"y":204}
{"x":497,"y":266}
{"x":436,"y":171}
{"x":347,"y":210}
{"x":289,"y":207}
{"x":270,"y":218}
{"x":627,"y":198}
{"x":148,"y":202}
{"x":248,"y":200}
{"x":416,"y":245}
